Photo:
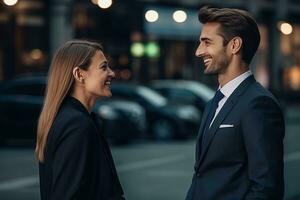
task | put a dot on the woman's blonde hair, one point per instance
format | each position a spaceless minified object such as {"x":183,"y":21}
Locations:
{"x":76,"y":53}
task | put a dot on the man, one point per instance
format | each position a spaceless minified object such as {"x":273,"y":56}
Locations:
{"x":239,"y":151}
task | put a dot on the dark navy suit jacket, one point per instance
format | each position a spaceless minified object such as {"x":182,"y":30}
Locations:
{"x":243,"y":160}
{"x":78,"y":162}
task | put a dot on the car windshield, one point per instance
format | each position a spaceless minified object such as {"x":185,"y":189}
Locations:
{"x":152,"y":96}
{"x":203,"y":91}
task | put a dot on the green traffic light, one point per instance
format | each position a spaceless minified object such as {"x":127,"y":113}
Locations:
{"x":137,"y":49}
{"x":152,"y":49}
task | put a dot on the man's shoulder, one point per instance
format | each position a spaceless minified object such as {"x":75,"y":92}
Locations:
{"x":257,"y":93}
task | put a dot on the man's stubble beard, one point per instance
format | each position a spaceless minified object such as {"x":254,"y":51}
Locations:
{"x":218,"y":70}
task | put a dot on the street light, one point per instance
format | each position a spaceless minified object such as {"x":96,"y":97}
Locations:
{"x":151,"y":16}
{"x":179,"y":16}
{"x":10,"y":2}
{"x":286,"y":28}
{"x":104,"y":4}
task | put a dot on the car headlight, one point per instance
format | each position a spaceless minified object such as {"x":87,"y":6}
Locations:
{"x":107,"y":112}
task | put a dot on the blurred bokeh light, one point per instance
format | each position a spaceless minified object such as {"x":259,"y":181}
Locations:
{"x":151,"y":16}
{"x":104,"y":4}
{"x":179,"y":16}
{"x":286,"y":28}
{"x":10,"y":2}
{"x":36,"y":54}
{"x":152,"y":49}
{"x":137,"y":49}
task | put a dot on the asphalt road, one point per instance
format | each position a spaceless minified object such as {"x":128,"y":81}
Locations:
{"x":147,"y":170}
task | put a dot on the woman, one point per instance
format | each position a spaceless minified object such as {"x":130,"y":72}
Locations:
{"x":75,"y":160}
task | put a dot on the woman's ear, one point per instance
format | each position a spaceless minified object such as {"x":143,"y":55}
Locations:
{"x":78,"y":74}
{"x":236,"y":45}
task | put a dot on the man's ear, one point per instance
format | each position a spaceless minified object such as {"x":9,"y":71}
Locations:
{"x":78,"y":74}
{"x":236,"y":45}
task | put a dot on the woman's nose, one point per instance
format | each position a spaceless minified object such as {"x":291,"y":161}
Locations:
{"x":111,"y":73}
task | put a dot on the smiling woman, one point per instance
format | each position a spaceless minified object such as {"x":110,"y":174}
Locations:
{"x":74,"y":158}
{"x":94,"y":82}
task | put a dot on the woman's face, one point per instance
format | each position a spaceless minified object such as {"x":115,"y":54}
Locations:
{"x":98,"y":77}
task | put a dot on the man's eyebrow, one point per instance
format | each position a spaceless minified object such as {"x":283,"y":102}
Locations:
{"x":205,"y":39}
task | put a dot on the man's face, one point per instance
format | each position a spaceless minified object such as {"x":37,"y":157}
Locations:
{"x":211,"y":49}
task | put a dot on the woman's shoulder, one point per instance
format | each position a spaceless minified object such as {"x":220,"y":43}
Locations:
{"x":70,"y":129}
{"x":71,"y":122}
{"x":72,"y":109}
{"x":68,"y":113}
{"x":71,"y":115}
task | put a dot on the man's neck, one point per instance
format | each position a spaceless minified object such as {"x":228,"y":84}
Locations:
{"x":231,"y":73}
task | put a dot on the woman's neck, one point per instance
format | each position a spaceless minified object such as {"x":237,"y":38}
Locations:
{"x":88,"y":102}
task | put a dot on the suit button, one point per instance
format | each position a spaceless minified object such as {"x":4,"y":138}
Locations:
{"x":198,"y":174}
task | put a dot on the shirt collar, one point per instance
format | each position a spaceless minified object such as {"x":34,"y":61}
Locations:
{"x":229,"y":87}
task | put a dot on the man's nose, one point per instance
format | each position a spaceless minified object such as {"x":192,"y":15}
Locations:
{"x":199,"y":51}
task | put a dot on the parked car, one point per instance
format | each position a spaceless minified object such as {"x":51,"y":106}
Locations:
{"x":121,"y":120}
{"x":21,"y":101}
{"x":190,"y":92}
{"x":165,"y":121}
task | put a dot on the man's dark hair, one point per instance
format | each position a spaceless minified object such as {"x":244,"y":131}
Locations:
{"x":234,"y":23}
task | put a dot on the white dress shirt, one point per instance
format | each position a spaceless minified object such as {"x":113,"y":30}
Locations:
{"x":229,"y":88}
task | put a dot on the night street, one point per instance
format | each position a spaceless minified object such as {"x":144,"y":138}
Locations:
{"x":144,"y":74}
{"x":147,"y":170}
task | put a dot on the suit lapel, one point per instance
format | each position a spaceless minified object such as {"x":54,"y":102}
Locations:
{"x":228,"y":106}
{"x":200,"y":132}
{"x":215,"y":125}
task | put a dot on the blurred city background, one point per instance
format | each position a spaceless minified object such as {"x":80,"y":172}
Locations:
{"x":159,"y":92}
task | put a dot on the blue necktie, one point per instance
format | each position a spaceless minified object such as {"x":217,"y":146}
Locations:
{"x":215,"y":101}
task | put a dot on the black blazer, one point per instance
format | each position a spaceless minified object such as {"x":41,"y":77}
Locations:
{"x":78,"y":162}
{"x":243,"y":160}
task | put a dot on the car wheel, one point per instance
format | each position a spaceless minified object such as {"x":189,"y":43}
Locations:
{"x":163,"y":130}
